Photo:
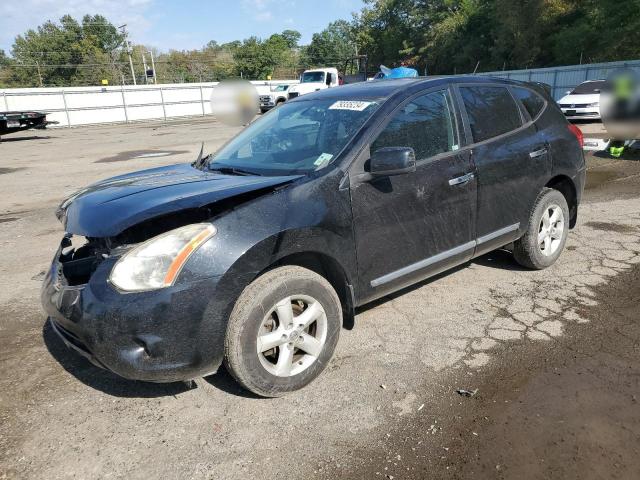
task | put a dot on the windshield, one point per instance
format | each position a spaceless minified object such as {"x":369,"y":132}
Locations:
{"x":588,"y":88}
{"x":309,"y":77}
{"x":281,"y":88}
{"x":296,"y":138}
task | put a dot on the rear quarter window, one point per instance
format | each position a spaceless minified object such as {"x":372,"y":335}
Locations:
{"x":533,"y":103}
{"x":492,"y":111}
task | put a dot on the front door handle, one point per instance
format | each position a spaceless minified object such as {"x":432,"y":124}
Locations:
{"x":538,"y":153}
{"x":462,"y":180}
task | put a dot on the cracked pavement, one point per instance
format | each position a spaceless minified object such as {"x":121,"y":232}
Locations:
{"x":60,"y":417}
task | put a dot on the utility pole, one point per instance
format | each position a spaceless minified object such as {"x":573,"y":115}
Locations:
{"x":144,"y":66}
{"x":39,"y":73}
{"x":153,"y":67}
{"x":127,"y":44}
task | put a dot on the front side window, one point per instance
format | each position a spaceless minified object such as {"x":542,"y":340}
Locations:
{"x":492,"y":111}
{"x":425,"y":124}
{"x":296,"y":138}
{"x":533,"y":103}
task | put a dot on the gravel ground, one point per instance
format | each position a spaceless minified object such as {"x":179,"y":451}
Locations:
{"x":386,"y":406}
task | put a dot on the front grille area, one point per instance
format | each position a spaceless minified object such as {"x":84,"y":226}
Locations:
{"x":581,"y":114}
{"x":77,"y":263}
{"x":574,"y":105}
{"x":265,"y":99}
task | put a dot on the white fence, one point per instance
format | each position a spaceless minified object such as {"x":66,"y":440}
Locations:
{"x":89,"y":105}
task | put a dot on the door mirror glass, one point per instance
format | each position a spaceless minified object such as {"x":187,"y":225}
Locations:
{"x":392,"y":161}
{"x":329,"y":77}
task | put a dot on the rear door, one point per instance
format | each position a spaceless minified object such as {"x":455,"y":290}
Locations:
{"x":511,"y":159}
{"x":410,"y":226}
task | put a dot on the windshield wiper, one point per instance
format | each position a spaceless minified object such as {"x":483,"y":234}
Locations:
{"x":231,"y":171}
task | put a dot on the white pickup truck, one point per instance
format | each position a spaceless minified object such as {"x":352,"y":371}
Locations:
{"x":314,"y":80}
{"x":276,"y":97}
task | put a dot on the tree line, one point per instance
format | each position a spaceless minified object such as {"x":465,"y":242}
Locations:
{"x":434,"y":36}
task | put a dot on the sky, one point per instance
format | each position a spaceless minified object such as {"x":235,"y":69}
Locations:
{"x":180,"y":25}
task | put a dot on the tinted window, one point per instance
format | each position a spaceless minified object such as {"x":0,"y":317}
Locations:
{"x":425,"y":124}
{"x":589,"y":88}
{"x":532,"y":102}
{"x":492,"y":111}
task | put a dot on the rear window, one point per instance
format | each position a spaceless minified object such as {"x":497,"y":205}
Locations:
{"x":589,"y":88}
{"x":492,"y":111}
{"x":532,"y":102}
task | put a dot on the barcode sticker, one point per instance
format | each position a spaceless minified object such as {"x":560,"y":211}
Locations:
{"x":357,"y":105}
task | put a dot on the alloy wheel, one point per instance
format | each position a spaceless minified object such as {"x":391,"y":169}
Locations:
{"x":292,"y":335}
{"x":551,"y":230}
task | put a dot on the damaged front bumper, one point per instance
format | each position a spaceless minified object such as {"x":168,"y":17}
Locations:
{"x":165,"y":335}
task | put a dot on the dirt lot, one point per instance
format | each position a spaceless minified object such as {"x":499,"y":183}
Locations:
{"x":555,"y":355}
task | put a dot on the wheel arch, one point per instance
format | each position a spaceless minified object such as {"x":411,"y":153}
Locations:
{"x":567,"y":188}
{"x":329,"y":268}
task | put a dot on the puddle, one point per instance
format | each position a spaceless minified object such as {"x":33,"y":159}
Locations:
{"x":5,"y":170}
{"x":612,"y":227}
{"x":133,"y":154}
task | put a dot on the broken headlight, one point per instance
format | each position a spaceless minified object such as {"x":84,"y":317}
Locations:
{"x":157,"y":262}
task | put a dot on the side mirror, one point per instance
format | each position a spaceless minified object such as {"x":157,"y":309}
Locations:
{"x":392,"y":161}
{"x":329,"y":78}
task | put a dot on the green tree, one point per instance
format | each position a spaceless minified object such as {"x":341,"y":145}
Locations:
{"x":5,"y":70}
{"x":67,"y":53}
{"x":258,"y":59}
{"x":331,"y":47}
{"x":291,"y":37}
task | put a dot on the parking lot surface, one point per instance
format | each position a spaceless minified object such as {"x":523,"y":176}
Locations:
{"x":385,"y":407}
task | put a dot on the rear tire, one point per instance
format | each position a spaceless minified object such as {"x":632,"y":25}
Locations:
{"x":282,"y":331}
{"x":547,"y":231}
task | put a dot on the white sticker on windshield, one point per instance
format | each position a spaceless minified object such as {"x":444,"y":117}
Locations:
{"x":357,"y":105}
{"x":323,"y":159}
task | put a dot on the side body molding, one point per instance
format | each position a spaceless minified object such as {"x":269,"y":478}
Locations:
{"x":479,"y":244}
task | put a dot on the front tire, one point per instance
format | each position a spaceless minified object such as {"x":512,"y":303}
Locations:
{"x":282,"y":331}
{"x":547,"y":231}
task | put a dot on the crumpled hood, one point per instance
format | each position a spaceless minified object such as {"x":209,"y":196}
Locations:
{"x":106,"y":208}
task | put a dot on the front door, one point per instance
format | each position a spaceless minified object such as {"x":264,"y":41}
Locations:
{"x":410,"y":226}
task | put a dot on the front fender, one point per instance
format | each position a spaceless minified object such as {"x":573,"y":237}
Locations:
{"x":314,"y":217}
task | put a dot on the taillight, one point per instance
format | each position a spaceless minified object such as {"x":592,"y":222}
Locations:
{"x":578,"y":133}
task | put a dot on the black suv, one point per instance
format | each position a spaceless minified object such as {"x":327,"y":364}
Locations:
{"x":257,"y":255}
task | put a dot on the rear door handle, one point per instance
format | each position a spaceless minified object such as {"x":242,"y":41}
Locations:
{"x":538,"y":153}
{"x":462,"y":180}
